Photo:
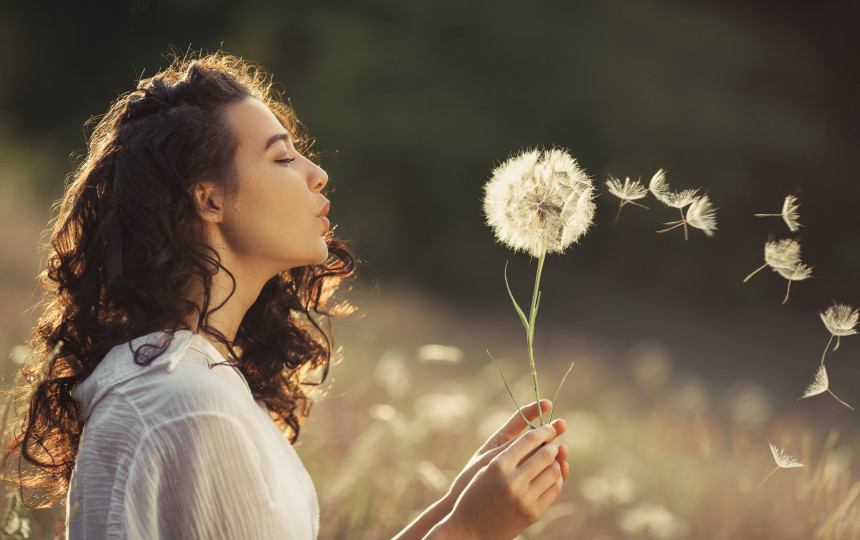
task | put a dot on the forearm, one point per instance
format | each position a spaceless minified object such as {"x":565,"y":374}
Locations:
{"x":428,"y":520}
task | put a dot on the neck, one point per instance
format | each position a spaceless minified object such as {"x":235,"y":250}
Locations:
{"x":227,"y":306}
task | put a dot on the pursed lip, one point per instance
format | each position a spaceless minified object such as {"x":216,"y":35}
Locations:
{"x":324,"y":211}
{"x":323,"y":218}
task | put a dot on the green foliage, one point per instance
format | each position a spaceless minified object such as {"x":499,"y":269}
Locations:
{"x":414,"y":100}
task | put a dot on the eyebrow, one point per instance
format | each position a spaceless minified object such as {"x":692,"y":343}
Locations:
{"x":275,"y":138}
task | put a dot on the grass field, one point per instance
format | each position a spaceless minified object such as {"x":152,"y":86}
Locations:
{"x":656,"y":452}
{"x":669,"y":420}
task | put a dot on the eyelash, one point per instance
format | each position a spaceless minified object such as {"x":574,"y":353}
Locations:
{"x":285,"y":160}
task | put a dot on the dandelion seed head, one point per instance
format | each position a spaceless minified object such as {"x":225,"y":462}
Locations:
{"x":629,"y":191}
{"x":819,"y":385}
{"x":784,"y":253}
{"x":783,"y":460}
{"x":702,"y":215}
{"x":798,"y":273}
{"x":840,"y":319}
{"x":539,"y":200}
{"x":789,"y":212}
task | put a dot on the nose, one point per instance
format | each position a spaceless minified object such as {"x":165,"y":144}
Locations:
{"x":318,"y":178}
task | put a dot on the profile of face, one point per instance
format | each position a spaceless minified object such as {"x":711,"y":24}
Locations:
{"x":274,"y":218}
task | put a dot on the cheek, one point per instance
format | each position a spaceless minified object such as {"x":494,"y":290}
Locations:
{"x":267,"y":223}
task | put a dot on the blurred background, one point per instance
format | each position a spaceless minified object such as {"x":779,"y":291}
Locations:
{"x":682,"y":371}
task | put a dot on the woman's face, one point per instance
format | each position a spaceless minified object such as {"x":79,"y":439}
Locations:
{"x":272,"y":220}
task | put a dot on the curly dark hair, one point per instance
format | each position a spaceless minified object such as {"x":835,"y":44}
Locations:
{"x":124,"y":248}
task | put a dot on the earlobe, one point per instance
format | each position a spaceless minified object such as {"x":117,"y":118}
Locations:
{"x":208,"y":201}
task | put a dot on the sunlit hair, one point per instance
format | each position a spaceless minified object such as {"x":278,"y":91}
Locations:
{"x":126,"y":245}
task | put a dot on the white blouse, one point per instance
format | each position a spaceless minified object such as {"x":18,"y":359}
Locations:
{"x":177,"y":449}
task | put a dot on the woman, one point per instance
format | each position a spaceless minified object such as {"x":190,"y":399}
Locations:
{"x":190,"y":262}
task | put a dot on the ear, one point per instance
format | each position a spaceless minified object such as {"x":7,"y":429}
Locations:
{"x":209,"y":200}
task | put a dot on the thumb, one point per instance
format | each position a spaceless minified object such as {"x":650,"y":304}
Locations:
{"x":516,"y":425}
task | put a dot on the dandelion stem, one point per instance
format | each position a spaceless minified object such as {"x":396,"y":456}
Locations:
{"x":825,"y":349}
{"x":787,"y":290}
{"x":838,"y":339}
{"x":531,"y":329}
{"x":684,"y":221}
{"x":756,"y":271}
{"x":767,"y":215}
{"x":768,"y":476}
{"x":617,"y":214}
{"x":839,"y":400}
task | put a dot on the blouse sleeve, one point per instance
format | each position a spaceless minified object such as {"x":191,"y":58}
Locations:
{"x":198,"y":477}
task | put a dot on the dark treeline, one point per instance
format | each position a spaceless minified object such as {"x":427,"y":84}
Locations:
{"x":414,"y":103}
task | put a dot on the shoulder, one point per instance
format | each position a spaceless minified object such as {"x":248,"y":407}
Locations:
{"x":187,"y":377}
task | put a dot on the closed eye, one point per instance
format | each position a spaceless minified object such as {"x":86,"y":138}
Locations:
{"x":285,"y":160}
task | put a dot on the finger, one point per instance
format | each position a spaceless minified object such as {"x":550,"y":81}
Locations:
{"x":485,"y":456}
{"x":515,"y":424}
{"x":542,"y":458}
{"x":548,"y":496}
{"x":546,"y":479}
{"x":561,"y":458}
{"x":523,"y":446}
{"x":560,"y":427}
{"x":528,"y":443}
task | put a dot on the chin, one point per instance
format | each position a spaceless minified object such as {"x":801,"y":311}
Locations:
{"x":319,"y":258}
{"x":323,"y":257}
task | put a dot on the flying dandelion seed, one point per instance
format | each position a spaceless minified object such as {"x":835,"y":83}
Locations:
{"x":783,"y":461}
{"x":784,"y":254}
{"x":629,"y":193}
{"x":820,"y":385}
{"x":538,"y":202}
{"x":660,"y":189}
{"x":789,"y":213}
{"x":658,"y":186}
{"x":701,"y":215}
{"x":840,"y":320}
{"x":798,"y":273}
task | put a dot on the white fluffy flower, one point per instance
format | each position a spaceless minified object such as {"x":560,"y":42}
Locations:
{"x":539,"y":201}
